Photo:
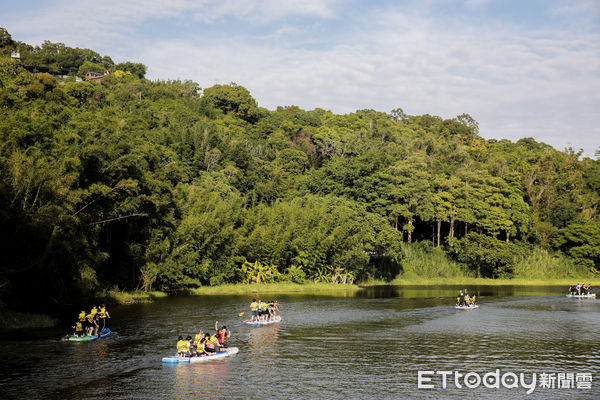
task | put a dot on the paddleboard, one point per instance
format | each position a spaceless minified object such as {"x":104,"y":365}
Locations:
{"x":103,"y":333}
{"x":188,"y":360}
{"x":271,"y":321}
{"x":466,"y":307}
{"x":582,"y":296}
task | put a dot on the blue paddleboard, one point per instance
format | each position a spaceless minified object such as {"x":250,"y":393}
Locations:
{"x":187,"y":360}
{"x":103,"y":333}
{"x":268,"y":322}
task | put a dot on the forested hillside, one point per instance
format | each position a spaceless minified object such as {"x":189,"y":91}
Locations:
{"x":132,"y":183}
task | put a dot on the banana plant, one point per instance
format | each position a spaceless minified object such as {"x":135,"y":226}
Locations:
{"x":258,"y":272}
{"x":322,"y":275}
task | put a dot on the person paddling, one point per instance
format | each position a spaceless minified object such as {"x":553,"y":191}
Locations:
{"x":91,"y":325}
{"x":254,"y":309}
{"x":461,"y":298}
{"x":264,"y":310}
{"x":102,"y":315}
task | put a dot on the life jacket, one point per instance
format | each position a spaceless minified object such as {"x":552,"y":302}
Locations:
{"x":183,"y":345}
{"x":211,"y":342}
{"x":78,"y":326}
{"x":102,"y":312}
{"x":82,"y":316}
{"x":221,"y":336}
{"x":197,"y":339}
{"x":264,"y":305}
{"x":90,"y":317}
{"x":94,"y":311}
{"x":254,"y":306}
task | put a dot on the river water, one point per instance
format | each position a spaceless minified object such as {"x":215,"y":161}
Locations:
{"x":369,"y":344}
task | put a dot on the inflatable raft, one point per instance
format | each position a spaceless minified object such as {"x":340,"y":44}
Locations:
{"x":187,"y":360}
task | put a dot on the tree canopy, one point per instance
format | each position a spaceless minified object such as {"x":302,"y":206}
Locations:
{"x":161,"y":185}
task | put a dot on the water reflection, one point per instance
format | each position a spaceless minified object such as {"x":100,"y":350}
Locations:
{"x":199,"y":380}
{"x":416,"y":291}
{"x":262,"y":340}
{"x":364,"y":344}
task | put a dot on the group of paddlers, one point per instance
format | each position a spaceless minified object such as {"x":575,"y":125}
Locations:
{"x":464,"y":300}
{"x":580,"y":289}
{"x":263,"y":310}
{"x":203,"y":344}
{"x":87,"y":324}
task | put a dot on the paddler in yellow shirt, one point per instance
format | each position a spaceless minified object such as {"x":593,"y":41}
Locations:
{"x":254,"y":307}
{"x":264,"y":310}
{"x":196,"y":344}
{"x":209,"y":345}
{"x":102,"y":315}
{"x":183,"y":347}
{"x":92,"y":326}
{"x":78,"y":329}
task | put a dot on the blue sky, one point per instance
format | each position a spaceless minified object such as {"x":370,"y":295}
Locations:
{"x":522,"y":68}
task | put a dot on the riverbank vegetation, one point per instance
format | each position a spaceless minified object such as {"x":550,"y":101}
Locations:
{"x":18,"y":320}
{"x":115,"y":296}
{"x":164,"y":186}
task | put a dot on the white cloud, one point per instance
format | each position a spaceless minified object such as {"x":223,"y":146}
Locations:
{"x":87,"y":23}
{"x":515,"y":83}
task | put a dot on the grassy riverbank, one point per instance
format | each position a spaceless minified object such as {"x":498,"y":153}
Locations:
{"x":18,"y":320}
{"x":138,"y":296}
{"x":342,"y":290}
{"x":279,"y":287}
{"x":132,"y":297}
{"x":493,"y":282}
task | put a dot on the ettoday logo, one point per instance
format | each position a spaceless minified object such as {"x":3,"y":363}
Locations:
{"x":509,"y":380}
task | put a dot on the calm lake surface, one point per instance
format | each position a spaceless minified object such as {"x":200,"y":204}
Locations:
{"x":368,"y":344}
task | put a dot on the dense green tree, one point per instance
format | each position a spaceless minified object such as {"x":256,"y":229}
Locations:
{"x":487,"y":256}
{"x":89,"y":66}
{"x":233,"y":99}
{"x":581,"y":243}
{"x":5,"y":38}
{"x":159,"y":185}
{"x":136,"y":69}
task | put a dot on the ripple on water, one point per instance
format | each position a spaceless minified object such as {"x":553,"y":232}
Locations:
{"x":325,"y":347}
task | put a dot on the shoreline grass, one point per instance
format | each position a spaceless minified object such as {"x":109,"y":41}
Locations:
{"x":130,"y":297}
{"x":10,"y":320}
{"x":137,"y":297}
{"x":279,"y":287}
{"x":492,"y":282}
